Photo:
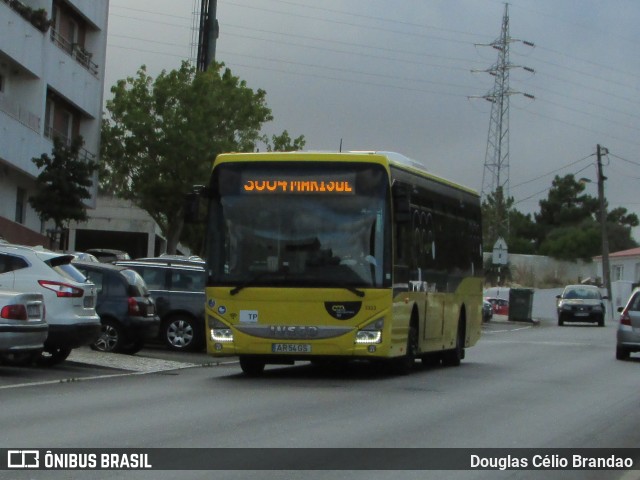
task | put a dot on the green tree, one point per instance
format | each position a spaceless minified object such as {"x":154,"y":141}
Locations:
{"x":284,"y":143}
{"x":569,"y":225}
{"x":501,"y":219}
{"x":522,"y":233}
{"x":565,"y":205}
{"x":161,"y":136}
{"x":63,"y":184}
{"x":495,"y":217}
{"x":620,"y":224}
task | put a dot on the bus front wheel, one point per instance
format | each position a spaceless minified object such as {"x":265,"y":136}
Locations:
{"x":452,"y":358}
{"x":404,"y":364}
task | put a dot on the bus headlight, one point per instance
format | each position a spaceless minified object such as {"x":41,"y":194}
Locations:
{"x":370,"y":334}
{"x":219,"y":332}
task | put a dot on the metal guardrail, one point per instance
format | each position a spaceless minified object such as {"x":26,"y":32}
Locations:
{"x":75,"y":50}
{"x":83,"y":154}
{"x":21,"y":114}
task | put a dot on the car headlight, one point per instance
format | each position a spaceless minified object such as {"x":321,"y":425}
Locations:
{"x":219,"y":332}
{"x":565,"y":306}
{"x":597,"y":308}
{"x":370,"y":334}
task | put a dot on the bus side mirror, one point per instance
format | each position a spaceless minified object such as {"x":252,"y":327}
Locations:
{"x":192,"y":204}
{"x":401,"y":203}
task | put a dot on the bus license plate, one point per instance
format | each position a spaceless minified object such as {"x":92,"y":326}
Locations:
{"x":290,"y":348}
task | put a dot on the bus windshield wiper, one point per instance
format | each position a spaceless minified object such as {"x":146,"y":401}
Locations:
{"x":235,"y":290}
{"x":354,"y":290}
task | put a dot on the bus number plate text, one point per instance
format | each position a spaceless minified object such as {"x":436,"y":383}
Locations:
{"x":290,"y":348}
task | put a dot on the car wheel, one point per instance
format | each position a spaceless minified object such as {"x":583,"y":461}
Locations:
{"x":18,"y":359}
{"x":622,"y":353}
{"x":111,"y":337}
{"x":180,"y":333}
{"x":52,"y":356}
{"x":560,"y":321}
{"x":452,"y":358}
{"x":252,"y":366}
{"x":601,"y":322}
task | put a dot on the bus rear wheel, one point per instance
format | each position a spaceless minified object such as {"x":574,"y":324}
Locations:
{"x":252,"y":366}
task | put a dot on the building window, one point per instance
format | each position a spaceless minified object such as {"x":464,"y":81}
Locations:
{"x":21,"y":204}
{"x":637,"y":277}
{"x":616,"y":272}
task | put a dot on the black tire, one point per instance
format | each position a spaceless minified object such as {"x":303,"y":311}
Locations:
{"x":133,"y":348}
{"x":180,"y":333}
{"x":560,"y":321}
{"x":622,"y":353}
{"x":112,"y":337}
{"x":404,"y":365}
{"x":252,"y":366}
{"x":601,"y":322}
{"x":452,"y":358}
{"x":52,"y":356}
{"x":19,"y":359}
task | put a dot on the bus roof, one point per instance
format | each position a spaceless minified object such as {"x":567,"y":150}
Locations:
{"x":388,"y":159}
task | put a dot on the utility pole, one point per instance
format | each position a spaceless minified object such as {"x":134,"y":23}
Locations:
{"x":495,"y":177}
{"x":208,"y":33}
{"x":606,"y":272}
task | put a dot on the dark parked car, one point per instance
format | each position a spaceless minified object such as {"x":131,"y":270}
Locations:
{"x":177,"y":286}
{"x":581,"y":303}
{"x":487,"y":311}
{"x":127,"y":311}
{"x":628,"y":335}
{"x":108,"y":255}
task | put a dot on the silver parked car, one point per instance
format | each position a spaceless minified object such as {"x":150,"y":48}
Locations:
{"x":628,"y":336}
{"x":23,"y":328}
{"x":69,"y":298}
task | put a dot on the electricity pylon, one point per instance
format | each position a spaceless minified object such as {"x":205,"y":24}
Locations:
{"x":495,"y":177}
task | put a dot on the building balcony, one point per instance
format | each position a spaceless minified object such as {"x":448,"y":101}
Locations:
{"x":83,"y":154}
{"x":19,"y":113}
{"x":82,"y":56}
{"x":38,"y":17}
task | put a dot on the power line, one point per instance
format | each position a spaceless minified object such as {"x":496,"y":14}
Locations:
{"x":624,"y":159}
{"x":349,"y":24}
{"x":547,"y":189}
{"x":553,"y":171}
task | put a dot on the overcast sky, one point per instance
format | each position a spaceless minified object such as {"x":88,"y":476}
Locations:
{"x":397,"y":75}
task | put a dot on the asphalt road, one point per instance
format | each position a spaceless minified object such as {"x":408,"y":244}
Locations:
{"x":522,"y":386}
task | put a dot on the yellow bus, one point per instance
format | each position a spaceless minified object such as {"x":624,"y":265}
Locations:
{"x":340,"y":256}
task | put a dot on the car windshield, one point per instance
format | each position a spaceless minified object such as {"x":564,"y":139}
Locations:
{"x":308,"y":237}
{"x":582,"y":293}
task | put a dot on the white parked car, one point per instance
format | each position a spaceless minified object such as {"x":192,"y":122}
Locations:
{"x":69,"y":298}
{"x":23,"y":328}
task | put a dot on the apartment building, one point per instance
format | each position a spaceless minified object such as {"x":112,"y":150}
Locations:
{"x":52,"y":58}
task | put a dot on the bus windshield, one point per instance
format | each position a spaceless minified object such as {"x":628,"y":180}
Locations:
{"x":299,"y":225}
